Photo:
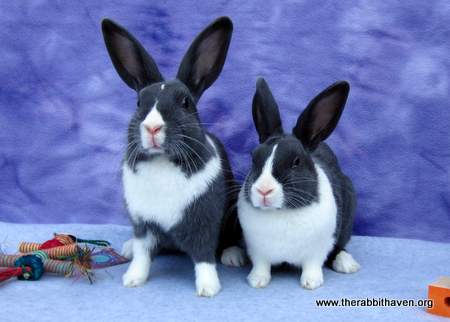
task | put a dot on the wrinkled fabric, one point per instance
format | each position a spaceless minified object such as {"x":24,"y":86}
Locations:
{"x":64,"y":110}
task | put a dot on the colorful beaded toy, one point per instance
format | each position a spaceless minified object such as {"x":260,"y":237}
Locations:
{"x":61,"y":255}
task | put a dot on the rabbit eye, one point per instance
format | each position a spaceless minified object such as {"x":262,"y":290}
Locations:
{"x":296,"y":162}
{"x":185,"y":102}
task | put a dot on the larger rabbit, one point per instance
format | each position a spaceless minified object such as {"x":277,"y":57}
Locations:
{"x":176,"y":176}
{"x":296,"y":205}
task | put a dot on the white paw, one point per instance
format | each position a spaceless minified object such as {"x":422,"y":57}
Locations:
{"x":206,"y":280}
{"x":233,"y":256}
{"x":134,"y":279}
{"x":258,"y":280}
{"x":208,"y":288}
{"x":345,"y":263}
{"x":127,"y":249}
{"x":311,"y":279}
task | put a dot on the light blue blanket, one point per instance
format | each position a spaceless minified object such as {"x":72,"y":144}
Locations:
{"x":391,"y":268}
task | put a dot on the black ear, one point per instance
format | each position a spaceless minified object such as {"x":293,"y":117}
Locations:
{"x":205,"y":58}
{"x":265,"y":112}
{"x":132,"y":62}
{"x":322,"y":114}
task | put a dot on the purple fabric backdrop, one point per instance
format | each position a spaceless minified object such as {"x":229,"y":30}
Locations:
{"x":64,"y":111}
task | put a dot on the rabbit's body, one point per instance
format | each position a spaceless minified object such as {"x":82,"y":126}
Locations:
{"x":296,"y":205}
{"x":296,"y":235}
{"x":178,"y":185}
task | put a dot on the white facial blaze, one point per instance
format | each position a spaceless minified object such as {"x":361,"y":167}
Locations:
{"x":152,"y":121}
{"x":154,"y":118}
{"x":267,"y":192}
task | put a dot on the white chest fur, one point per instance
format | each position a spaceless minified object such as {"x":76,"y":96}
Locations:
{"x":291,"y":235}
{"x":159,"y":191}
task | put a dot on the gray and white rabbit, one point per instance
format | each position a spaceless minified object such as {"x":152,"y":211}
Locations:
{"x":296,"y":206}
{"x":177,"y":180}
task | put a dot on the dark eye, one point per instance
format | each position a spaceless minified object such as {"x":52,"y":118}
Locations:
{"x":296,"y":162}
{"x":185,"y":102}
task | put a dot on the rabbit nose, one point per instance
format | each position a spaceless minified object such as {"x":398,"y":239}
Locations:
{"x":153,"y":130}
{"x":264,"y":192}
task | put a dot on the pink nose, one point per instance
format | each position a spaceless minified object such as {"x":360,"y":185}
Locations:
{"x":265,"y":192}
{"x":153,"y":130}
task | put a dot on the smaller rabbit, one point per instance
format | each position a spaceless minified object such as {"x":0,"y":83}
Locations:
{"x":296,"y":206}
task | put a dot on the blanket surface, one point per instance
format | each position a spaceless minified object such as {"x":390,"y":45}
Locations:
{"x":64,"y":110}
{"x":391,"y":268}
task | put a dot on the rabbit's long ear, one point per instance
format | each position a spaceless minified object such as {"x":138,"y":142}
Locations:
{"x":321,"y":116}
{"x":205,"y":57}
{"x":131,"y":60}
{"x":265,"y":112}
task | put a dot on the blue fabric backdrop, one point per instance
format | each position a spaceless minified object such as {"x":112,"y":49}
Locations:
{"x":64,"y":111}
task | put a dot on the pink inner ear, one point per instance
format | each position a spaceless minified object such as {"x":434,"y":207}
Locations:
{"x":326,"y":113}
{"x":209,"y":51}
{"x":126,"y":53}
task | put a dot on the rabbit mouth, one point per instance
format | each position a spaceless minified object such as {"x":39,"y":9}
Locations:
{"x":152,"y":140}
{"x":266,"y":205}
{"x":155,"y":150}
{"x":265,"y":201}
